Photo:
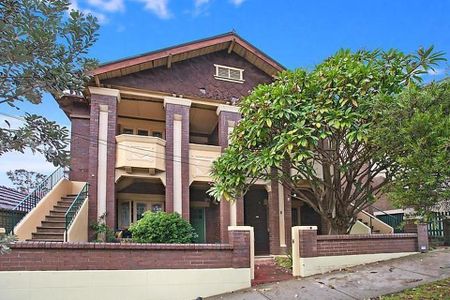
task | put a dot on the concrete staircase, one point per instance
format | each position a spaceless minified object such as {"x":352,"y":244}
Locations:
{"x":53,"y":226}
{"x":267,"y":271}
{"x":371,"y":227}
{"x":376,"y":225}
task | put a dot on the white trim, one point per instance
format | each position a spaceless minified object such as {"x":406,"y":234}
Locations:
{"x":229,"y":78}
{"x":177,"y":184}
{"x":307,"y":266}
{"x":161,"y":284}
{"x":306,"y":227}
{"x":227,"y":108}
{"x":102,"y":160}
{"x":105,"y":92}
{"x":177,"y":101}
{"x":393,"y":211}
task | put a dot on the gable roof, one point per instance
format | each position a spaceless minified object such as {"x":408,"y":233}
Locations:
{"x":9,"y":197}
{"x":167,"y":56}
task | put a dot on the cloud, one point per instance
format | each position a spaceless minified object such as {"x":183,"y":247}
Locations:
{"x":237,"y":2}
{"x":198,"y":3}
{"x":158,"y":7}
{"x":9,"y":122}
{"x":102,"y":19}
{"x":200,"y":8}
{"x":108,"y":5}
{"x":436,"y":72}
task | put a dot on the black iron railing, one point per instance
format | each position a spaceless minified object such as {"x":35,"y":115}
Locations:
{"x":394,"y":221}
{"x":30,"y":201}
{"x":75,"y":206}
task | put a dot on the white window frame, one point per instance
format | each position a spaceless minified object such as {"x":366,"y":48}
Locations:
{"x":241,"y":72}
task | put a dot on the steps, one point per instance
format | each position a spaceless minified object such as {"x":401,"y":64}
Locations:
{"x":53,"y":226}
{"x":267,"y":270}
{"x":373,"y":231}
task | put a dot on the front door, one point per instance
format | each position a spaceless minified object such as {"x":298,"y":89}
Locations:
{"x":197,"y":219}
{"x":255,"y":215}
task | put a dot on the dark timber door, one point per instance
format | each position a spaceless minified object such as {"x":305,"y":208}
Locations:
{"x":198,"y":222}
{"x":255,"y":215}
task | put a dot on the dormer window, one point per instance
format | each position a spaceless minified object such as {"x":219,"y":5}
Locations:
{"x":229,"y":74}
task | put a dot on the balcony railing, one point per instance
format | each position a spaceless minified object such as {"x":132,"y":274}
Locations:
{"x":14,"y":216}
{"x":145,"y":152}
{"x":201,"y":158}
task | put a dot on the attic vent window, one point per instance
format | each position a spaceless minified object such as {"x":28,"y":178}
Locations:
{"x":229,"y":74}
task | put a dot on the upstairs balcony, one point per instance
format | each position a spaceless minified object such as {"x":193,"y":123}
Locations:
{"x":201,"y":158}
{"x":140,"y":152}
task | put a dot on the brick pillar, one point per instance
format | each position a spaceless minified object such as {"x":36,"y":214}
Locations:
{"x":288,"y":217}
{"x":304,"y":244}
{"x":177,"y":155}
{"x":422,"y":235}
{"x":79,"y":145}
{"x":308,"y":241}
{"x":273,"y":217}
{"x":242,"y":239}
{"x":446,"y":223}
{"x":228,"y":117}
{"x":102,"y":155}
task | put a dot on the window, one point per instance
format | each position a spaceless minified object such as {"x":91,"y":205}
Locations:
{"x":141,"y":208}
{"x":156,"y":207}
{"x":229,"y":74}
{"x":127,"y":131}
{"x":157,"y":134}
{"x":142,"y":132}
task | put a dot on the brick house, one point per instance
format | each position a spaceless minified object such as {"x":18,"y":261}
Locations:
{"x":147,"y":129}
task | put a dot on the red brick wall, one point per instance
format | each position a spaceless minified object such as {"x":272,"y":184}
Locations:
{"x":308,"y":243}
{"x":96,"y":101}
{"x":328,"y":245}
{"x":79,"y":149}
{"x":224,"y":217}
{"x":44,"y":256}
{"x":171,"y":110}
{"x":273,"y":217}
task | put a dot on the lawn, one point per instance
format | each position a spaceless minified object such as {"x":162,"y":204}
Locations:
{"x":436,"y":290}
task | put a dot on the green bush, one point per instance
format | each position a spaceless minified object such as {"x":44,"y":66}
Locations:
{"x":162,"y":227}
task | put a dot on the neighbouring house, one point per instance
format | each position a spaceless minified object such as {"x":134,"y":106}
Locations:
{"x":9,"y":198}
{"x":144,"y":135}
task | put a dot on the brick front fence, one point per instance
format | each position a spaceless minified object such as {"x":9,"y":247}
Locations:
{"x":53,"y":256}
{"x":167,"y":271}
{"x":313,"y":254}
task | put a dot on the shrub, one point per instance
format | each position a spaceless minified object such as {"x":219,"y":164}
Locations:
{"x":162,"y":227}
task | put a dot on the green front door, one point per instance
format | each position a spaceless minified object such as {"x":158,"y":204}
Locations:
{"x":198,"y":222}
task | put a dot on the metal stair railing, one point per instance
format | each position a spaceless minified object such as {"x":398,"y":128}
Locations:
{"x":389,"y":219}
{"x":75,"y":207}
{"x":30,"y":201}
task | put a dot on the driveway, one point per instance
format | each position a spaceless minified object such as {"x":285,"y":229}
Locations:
{"x":360,"y":282}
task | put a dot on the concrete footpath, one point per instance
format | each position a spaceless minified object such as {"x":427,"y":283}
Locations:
{"x":362,"y":282}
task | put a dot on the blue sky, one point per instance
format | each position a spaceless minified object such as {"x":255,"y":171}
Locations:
{"x":296,"y":33}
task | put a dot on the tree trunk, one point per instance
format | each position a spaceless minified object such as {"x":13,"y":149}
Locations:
{"x":338,"y":224}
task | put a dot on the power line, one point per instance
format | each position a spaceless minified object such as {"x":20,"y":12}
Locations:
{"x":130,"y":148}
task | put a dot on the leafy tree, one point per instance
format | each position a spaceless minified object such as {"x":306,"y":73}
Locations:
{"x":39,"y":135}
{"x":43,"y":49}
{"x":162,"y":227}
{"x":312,"y":132}
{"x":25,"y":181}
{"x":415,"y":131}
